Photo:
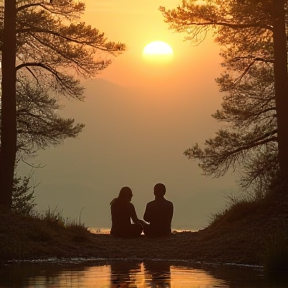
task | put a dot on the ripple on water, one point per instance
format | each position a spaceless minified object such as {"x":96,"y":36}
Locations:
{"x":94,"y":272}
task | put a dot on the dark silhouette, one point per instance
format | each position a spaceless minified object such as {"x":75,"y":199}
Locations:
{"x":8,"y":133}
{"x":158,"y":214}
{"x":122,"y":211}
{"x":158,"y":274}
{"x":123,"y":274}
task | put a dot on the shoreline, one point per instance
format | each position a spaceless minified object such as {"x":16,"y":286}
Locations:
{"x":105,"y":231}
{"x":209,"y":245}
{"x":243,"y":237}
{"x":186,"y":247}
{"x":82,"y":260}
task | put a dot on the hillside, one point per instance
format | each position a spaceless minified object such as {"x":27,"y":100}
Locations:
{"x":241,"y":235}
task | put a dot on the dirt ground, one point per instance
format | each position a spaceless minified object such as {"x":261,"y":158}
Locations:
{"x":244,"y":239}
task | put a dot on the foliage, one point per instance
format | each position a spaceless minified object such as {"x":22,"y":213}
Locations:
{"x":247,"y":141}
{"x":39,"y":126}
{"x":23,"y":196}
{"x":54,"y":49}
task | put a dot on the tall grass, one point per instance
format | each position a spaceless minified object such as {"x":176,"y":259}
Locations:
{"x":56,"y":217}
{"x":236,"y":208}
{"x":46,"y":233}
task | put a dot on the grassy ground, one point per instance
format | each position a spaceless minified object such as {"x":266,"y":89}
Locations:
{"x":243,"y":234}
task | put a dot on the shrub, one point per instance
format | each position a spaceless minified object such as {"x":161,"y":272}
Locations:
{"x":23,"y":195}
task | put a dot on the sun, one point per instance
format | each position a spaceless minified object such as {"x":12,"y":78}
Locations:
{"x":158,"y":50}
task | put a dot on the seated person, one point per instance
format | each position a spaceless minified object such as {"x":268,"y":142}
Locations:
{"x":122,"y":211}
{"x":158,"y":214}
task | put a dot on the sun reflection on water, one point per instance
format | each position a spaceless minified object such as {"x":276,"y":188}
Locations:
{"x":128,"y":274}
{"x":125,"y":274}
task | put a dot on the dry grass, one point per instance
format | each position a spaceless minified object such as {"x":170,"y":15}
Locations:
{"x":241,"y":235}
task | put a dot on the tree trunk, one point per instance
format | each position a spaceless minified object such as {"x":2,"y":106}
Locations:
{"x":281,"y":85}
{"x":8,"y":106}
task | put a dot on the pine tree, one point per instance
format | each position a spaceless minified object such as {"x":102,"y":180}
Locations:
{"x":51,"y":52}
{"x":23,"y":196}
{"x":254,"y":83}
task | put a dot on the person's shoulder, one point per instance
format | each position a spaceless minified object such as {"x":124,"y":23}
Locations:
{"x":170,"y":203}
{"x":131,"y":206}
{"x":151,"y":202}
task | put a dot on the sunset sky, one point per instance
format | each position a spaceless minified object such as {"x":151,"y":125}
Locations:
{"x":140,"y":116}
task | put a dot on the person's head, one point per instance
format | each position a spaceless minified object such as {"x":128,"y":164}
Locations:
{"x":125,"y":194}
{"x":159,"y":190}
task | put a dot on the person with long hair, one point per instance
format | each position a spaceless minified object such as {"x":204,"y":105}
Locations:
{"x":122,"y":211}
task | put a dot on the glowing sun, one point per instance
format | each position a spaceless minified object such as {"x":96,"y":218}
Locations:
{"x":157,"y":50}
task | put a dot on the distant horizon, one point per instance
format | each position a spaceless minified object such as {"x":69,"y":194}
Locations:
{"x":139,"y":119}
{"x":107,"y":230}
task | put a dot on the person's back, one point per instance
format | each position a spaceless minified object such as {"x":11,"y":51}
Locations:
{"x":120,"y":214}
{"x":158,"y":214}
{"x":122,"y":211}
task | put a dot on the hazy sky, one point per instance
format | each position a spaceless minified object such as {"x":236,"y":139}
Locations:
{"x":140,"y":117}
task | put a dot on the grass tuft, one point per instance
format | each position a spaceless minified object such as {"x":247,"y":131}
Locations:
{"x":28,"y":236}
{"x":237,"y":209}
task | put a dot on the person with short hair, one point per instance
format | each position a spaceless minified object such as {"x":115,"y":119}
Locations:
{"x":122,"y":211}
{"x":158,"y":214}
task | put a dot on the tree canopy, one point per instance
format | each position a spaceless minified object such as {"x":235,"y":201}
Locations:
{"x":249,"y":140}
{"x":53,"y":51}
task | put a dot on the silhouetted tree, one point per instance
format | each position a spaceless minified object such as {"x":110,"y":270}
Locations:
{"x":252,"y":33}
{"x":53,"y":49}
{"x":8,"y":106}
{"x":281,"y":83}
{"x":248,"y":140}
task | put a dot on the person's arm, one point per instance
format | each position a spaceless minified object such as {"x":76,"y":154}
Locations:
{"x":147,"y":214}
{"x":171,"y":212}
{"x":134,"y":217}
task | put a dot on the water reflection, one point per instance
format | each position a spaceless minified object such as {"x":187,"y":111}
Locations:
{"x":128,"y":274}
{"x":157,"y":274}
{"x":123,"y":274}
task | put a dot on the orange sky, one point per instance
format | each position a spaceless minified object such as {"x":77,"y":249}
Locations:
{"x":137,"y":23}
{"x":139,"y":119}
